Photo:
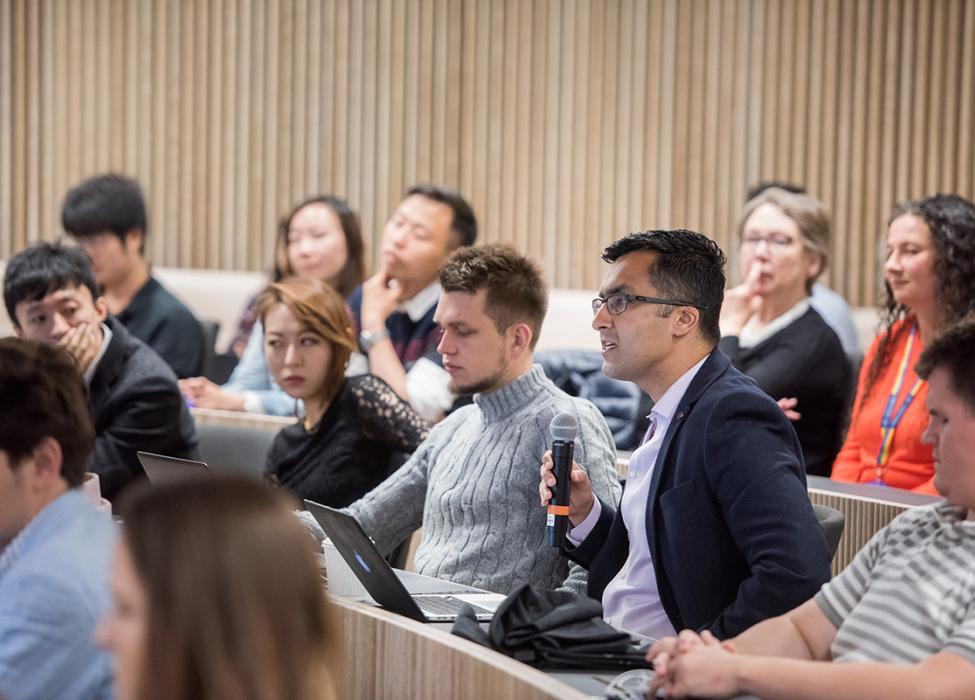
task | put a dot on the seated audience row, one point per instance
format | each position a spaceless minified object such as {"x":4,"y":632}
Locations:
{"x":392,"y":311}
{"x":719,"y":474}
{"x":182,"y":547}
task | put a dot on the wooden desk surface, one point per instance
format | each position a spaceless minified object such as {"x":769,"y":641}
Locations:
{"x":390,"y":656}
{"x":213,"y":416}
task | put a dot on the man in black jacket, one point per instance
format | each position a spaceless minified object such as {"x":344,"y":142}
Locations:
{"x":106,"y":215}
{"x":714,"y":530}
{"x":51,"y":296}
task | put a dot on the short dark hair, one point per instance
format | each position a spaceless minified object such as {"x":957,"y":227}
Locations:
{"x":760,"y":187}
{"x":43,"y":395}
{"x":688,"y":266}
{"x":354,"y":271}
{"x":109,"y":202}
{"x":515,"y":289}
{"x":953,"y":351}
{"x":464,"y":223}
{"x":43,"y":268}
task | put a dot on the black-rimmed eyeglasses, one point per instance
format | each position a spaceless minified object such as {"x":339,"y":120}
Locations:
{"x":617,"y":303}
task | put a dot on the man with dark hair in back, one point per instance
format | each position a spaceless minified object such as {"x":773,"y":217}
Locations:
{"x":715,"y":530}
{"x":51,"y":296}
{"x":106,"y":214}
{"x":55,"y":546}
{"x":900,"y":619}
{"x":468,"y":484}
{"x":394,"y":308}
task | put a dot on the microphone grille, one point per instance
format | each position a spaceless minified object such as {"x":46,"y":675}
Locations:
{"x":564,"y":426}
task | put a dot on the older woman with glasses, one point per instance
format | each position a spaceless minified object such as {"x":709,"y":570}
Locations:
{"x":771,"y":332}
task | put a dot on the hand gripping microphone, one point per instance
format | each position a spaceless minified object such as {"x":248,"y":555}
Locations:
{"x":564,"y":428}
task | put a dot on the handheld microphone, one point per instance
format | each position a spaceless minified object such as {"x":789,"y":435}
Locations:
{"x":564,"y":428}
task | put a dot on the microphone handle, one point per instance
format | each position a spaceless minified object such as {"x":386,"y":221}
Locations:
{"x":558,"y":509}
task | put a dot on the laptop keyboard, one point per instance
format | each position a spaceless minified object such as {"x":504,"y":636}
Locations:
{"x":444,"y":606}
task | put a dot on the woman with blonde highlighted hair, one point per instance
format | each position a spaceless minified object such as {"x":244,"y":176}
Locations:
{"x":217,"y":596}
{"x":344,"y":444}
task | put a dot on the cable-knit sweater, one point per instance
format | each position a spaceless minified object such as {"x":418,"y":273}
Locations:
{"x":473,"y":486}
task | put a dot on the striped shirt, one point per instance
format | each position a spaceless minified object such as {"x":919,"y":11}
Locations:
{"x":910,"y":592}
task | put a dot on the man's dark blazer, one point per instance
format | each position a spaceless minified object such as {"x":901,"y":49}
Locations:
{"x":733,"y":536}
{"x":136,"y":405}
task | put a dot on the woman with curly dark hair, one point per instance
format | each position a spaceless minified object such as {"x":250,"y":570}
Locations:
{"x":929,"y":276}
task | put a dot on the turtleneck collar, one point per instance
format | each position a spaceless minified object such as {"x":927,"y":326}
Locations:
{"x":503,"y":402}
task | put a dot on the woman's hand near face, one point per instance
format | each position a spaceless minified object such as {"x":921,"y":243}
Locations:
{"x":740,"y":303}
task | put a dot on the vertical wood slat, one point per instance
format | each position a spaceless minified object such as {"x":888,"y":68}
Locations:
{"x":566,"y":124}
{"x":7,"y":119}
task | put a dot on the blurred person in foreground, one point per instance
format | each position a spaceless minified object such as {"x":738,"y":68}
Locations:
{"x":929,"y":276}
{"x":900,"y":620}
{"x":54,"y":546}
{"x":217,"y":595}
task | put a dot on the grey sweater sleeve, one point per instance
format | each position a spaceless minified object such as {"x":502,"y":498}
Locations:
{"x":394,"y":509}
{"x":595,"y":452}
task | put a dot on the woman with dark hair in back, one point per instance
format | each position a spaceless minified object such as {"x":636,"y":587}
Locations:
{"x":319,"y":240}
{"x":217,"y":596}
{"x":769,"y":328}
{"x":343,"y":445}
{"x":929,"y":277}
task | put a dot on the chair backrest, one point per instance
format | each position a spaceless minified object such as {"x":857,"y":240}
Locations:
{"x":832,"y":521}
{"x":216,"y":366}
{"x":228,"y":448}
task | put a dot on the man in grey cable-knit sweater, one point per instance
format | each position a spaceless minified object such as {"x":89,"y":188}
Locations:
{"x":472,"y":484}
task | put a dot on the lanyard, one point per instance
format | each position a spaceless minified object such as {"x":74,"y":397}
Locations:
{"x":891,"y":419}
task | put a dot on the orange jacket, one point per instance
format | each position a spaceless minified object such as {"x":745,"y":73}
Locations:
{"x":910,"y":464}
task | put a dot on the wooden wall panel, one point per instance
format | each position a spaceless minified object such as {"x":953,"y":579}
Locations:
{"x":567,"y":122}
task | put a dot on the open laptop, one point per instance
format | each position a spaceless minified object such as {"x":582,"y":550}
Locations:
{"x":378,"y":577}
{"x":163,"y":470}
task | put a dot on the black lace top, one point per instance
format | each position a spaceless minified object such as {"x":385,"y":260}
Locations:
{"x":348,"y":452}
